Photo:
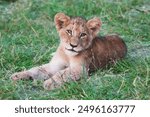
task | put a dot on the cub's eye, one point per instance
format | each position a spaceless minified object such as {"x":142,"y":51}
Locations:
{"x":82,"y":35}
{"x":69,"y":32}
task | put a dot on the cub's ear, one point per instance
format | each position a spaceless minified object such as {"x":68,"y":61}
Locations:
{"x":94,"y":25}
{"x":61,"y":20}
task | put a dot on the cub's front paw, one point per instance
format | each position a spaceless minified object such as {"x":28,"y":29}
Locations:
{"x":49,"y":84}
{"x":19,"y":75}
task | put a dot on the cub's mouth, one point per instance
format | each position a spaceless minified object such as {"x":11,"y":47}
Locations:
{"x":72,"y":50}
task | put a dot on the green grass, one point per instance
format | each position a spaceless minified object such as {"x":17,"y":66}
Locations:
{"x":28,"y":38}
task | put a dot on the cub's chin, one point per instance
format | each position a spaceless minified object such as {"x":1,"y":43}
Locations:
{"x":71,"y":53}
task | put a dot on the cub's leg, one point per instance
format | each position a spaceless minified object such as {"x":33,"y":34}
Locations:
{"x":66,"y":75}
{"x":42,"y":72}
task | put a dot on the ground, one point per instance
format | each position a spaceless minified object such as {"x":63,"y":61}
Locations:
{"x":28,"y":38}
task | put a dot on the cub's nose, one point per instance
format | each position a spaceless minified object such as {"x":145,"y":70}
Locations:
{"x":72,"y":45}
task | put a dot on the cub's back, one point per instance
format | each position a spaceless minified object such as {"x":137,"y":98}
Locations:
{"x":107,"y":50}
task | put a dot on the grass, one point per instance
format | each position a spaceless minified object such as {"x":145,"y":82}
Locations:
{"x":28,"y":38}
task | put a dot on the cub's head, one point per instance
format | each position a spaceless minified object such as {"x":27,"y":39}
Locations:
{"x":76,"y":34}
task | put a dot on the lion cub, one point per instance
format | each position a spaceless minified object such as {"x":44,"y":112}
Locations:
{"x":80,"y":51}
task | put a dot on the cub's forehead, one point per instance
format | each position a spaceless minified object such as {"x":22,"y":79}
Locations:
{"x":78,"y":20}
{"x":78,"y":24}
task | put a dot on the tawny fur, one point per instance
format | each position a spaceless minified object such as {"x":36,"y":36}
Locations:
{"x":80,"y":51}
